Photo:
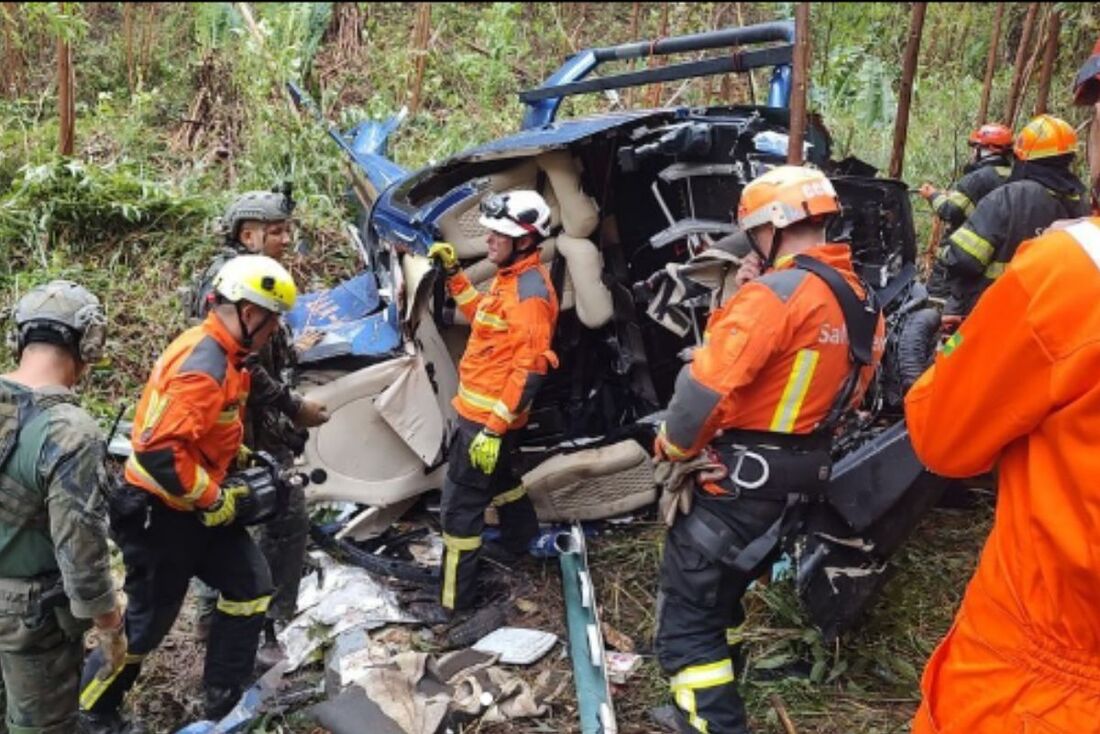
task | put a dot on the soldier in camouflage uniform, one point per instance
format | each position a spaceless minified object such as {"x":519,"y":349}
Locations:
{"x":54,"y":564}
{"x":259,"y":222}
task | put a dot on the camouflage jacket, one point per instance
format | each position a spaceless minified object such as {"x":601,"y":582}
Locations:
{"x":272,"y":404}
{"x":53,"y":502}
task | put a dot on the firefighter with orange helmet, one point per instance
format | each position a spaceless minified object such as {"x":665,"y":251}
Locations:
{"x":1042,"y":188}
{"x":990,"y":167}
{"x":1024,"y":652}
{"x":506,"y":360}
{"x":781,"y":362}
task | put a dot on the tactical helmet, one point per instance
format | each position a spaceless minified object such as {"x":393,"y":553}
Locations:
{"x":257,"y":279}
{"x":1046,"y":136}
{"x":516,"y":213}
{"x":257,"y":206}
{"x":785,"y":195}
{"x":61,"y":312}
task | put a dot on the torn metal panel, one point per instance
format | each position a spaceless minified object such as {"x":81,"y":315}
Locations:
{"x":594,"y":704}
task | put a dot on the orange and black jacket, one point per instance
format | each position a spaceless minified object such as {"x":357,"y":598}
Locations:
{"x":188,"y":426}
{"x":774,"y":358}
{"x":508,"y":354}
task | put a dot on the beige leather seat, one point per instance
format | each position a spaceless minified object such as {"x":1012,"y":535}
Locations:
{"x":571,"y":209}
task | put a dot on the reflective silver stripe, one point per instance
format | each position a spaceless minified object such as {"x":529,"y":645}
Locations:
{"x":1087,"y":235}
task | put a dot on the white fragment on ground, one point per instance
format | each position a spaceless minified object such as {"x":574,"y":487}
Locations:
{"x":516,"y":645}
{"x":347,"y":597}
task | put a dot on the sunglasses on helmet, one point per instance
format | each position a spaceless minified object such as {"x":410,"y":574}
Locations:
{"x":495,"y":206}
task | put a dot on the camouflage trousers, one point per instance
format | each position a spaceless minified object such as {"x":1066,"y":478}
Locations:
{"x":283,"y":542}
{"x":41,"y":653}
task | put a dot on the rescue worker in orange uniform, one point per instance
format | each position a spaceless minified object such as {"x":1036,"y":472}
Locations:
{"x":174,"y":517}
{"x":506,"y":360}
{"x":1024,"y":652}
{"x":781,"y":362}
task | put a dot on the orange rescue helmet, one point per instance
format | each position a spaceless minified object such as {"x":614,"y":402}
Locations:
{"x":1046,"y":136}
{"x":991,"y":135}
{"x":785,"y":195}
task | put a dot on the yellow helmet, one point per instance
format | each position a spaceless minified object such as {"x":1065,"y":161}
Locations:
{"x":1045,"y":136}
{"x":257,"y":279}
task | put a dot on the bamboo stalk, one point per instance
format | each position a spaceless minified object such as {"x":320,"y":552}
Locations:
{"x":905,"y":94}
{"x":633,"y":37}
{"x":801,"y":63}
{"x":1050,"y":54}
{"x":421,"y":33}
{"x":781,"y":712}
{"x":1011,"y":108}
{"x":990,"y":63}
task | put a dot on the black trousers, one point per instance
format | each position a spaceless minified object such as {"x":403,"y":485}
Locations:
{"x":467,"y":492}
{"x":163,"y":549}
{"x":700,"y":614}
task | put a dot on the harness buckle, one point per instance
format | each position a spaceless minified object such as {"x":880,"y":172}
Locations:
{"x":743,"y":453}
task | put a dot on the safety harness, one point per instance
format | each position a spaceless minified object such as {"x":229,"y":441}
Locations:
{"x":793,"y":469}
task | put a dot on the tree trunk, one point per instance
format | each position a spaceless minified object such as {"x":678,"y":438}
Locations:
{"x":905,"y":94}
{"x":799,"y":76}
{"x":991,"y":62}
{"x":15,"y":63}
{"x":1050,"y":54}
{"x":1014,"y":91}
{"x":421,"y":33}
{"x":66,"y":109}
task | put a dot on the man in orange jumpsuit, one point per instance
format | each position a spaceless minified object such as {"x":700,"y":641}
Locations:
{"x":174,"y":515}
{"x":1024,"y":653}
{"x":781,"y":361}
{"x":506,"y":360}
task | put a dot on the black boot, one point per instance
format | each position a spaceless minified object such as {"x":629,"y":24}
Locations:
{"x":219,"y":701}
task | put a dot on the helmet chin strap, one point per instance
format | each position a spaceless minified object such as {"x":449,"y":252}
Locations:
{"x":516,"y":252}
{"x":767,"y":259}
{"x":246,"y":335}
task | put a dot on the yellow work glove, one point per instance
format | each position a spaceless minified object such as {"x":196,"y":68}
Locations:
{"x":244,"y":457}
{"x":111,"y":642}
{"x":224,"y":509}
{"x":485,"y":450}
{"x":444,"y":253}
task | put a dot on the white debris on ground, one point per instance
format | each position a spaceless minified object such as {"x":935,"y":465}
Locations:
{"x":337,"y":599}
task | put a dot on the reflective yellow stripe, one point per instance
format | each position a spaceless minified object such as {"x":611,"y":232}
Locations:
{"x":690,"y":679}
{"x":466,"y":295}
{"x":228,"y":416}
{"x":802,"y":372}
{"x":154,"y":411}
{"x":674,"y":451}
{"x":510,"y":496}
{"x":707,"y":675}
{"x":995,"y":270}
{"x":493,"y":322}
{"x":962,"y":201}
{"x":500,"y":410}
{"x":454,"y":545}
{"x":96,"y":687}
{"x":248,"y":608}
{"x":202,"y":481}
{"x":476,"y":399}
{"x":972,"y":244}
{"x":735,"y":635}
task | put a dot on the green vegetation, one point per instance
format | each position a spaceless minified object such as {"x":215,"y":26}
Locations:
{"x":180,"y":105}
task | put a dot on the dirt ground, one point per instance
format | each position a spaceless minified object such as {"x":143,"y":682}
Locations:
{"x":866,"y":683}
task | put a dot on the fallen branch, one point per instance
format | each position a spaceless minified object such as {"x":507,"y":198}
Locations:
{"x":781,"y":712}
